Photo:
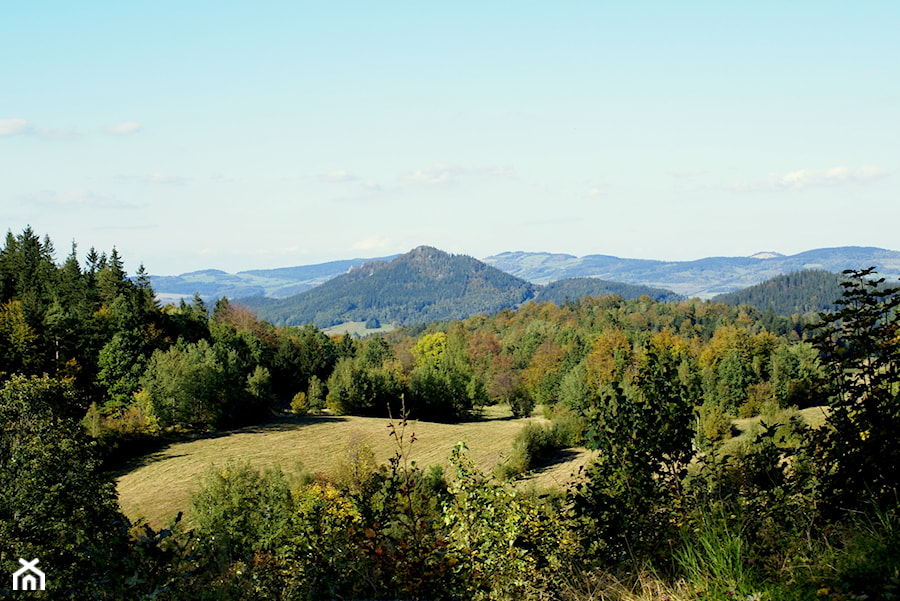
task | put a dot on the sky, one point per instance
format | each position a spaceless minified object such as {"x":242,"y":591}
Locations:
{"x":238,"y":135}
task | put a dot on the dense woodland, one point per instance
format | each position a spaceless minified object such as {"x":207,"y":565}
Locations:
{"x":805,"y":291}
{"x":675,"y":504}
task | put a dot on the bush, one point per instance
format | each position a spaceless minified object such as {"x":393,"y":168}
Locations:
{"x":521,"y":403}
{"x":240,"y":511}
{"x":502,"y":544}
{"x":300,"y":403}
{"x":714,"y":426}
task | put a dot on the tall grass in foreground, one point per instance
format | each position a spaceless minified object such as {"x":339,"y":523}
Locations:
{"x":716,"y":561}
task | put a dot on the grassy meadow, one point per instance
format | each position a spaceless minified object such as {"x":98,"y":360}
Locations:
{"x":159,"y":485}
{"x":156,"y":487}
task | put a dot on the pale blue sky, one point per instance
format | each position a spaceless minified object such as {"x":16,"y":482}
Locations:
{"x":251,"y":135}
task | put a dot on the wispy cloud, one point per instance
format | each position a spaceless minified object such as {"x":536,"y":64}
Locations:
{"x":371,"y":243}
{"x":443,"y":174}
{"x":438,"y":174}
{"x":11,"y":127}
{"x":802,"y":179}
{"x":337,"y":177}
{"x":77,"y":199}
{"x":123,"y":129}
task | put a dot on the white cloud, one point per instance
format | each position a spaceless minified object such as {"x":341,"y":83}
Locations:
{"x":442,"y":174}
{"x":371,"y":243}
{"x":123,"y":129}
{"x":11,"y":127}
{"x":802,"y":179}
{"x":438,"y":174}
{"x":337,"y":177}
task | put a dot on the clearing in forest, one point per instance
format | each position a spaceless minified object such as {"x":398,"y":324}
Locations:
{"x":159,"y":485}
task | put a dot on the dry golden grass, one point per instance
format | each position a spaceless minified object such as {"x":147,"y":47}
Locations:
{"x":159,"y":486}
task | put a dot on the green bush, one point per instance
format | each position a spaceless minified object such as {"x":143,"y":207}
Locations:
{"x":535,"y":443}
{"x":714,"y":426}
{"x":300,"y":403}
{"x":240,"y":511}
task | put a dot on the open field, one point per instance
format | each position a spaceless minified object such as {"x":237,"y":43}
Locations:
{"x":358,"y":328}
{"x":159,"y":486}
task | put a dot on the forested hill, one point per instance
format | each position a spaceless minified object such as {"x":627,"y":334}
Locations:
{"x":807,"y":291}
{"x":425,"y":285}
{"x":572,"y":289}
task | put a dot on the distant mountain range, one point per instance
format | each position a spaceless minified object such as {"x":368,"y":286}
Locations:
{"x":271,"y":283}
{"x":427,"y":284}
{"x":704,"y":278}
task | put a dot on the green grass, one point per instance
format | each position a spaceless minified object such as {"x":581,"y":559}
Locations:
{"x":159,"y":485}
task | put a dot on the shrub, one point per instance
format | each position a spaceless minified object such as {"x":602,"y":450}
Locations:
{"x":239,"y":511}
{"x":521,"y":403}
{"x":714,"y":425}
{"x":502,"y":544}
{"x":300,"y":403}
{"x":535,"y":443}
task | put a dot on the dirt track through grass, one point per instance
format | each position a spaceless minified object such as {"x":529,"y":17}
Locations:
{"x":160,"y":485}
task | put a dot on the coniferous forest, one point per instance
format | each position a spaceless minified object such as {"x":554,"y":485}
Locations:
{"x":738,"y":454}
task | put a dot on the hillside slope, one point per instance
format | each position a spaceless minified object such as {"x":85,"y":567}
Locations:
{"x":807,"y":291}
{"x":423,"y":285}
